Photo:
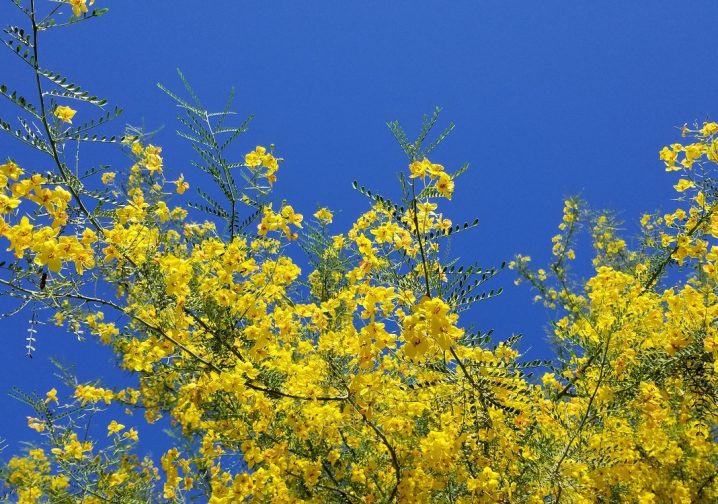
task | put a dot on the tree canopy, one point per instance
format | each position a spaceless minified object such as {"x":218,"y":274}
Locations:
{"x":355,"y":381}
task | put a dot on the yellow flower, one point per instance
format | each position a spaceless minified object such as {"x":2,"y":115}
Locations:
{"x":445,"y":185}
{"x":114,"y":428}
{"x":78,"y":6}
{"x":108,"y":177}
{"x":260,"y":157}
{"x":8,"y":204}
{"x":182,"y":186}
{"x":88,"y":393}
{"x":162,"y":211}
{"x":324,"y":215}
{"x":59,"y":482}
{"x":424,"y":167}
{"x":291,"y":217}
{"x":254,"y":158}
{"x":418,"y":168}
{"x":65,"y":114}
{"x":51,"y":396}
{"x":434,"y":169}
{"x":10,"y":170}
{"x":709,"y":128}
{"x":36,"y":424}
{"x":152,"y":159}
{"x":37,"y":454}
{"x":683,"y":184}
{"x":668,"y":155}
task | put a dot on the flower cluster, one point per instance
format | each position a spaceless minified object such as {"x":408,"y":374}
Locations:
{"x":359,"y":381}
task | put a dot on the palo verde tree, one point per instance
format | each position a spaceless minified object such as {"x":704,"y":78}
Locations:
{"x":355,"y":382}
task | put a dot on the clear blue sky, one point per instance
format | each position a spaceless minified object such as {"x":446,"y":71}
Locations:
{"x":550,"y":99}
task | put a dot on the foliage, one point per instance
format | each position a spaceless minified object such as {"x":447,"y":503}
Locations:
{"x":355,"y":383}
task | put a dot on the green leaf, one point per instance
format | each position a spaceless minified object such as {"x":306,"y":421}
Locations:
{"x":30,"y":139}
{"x":19,"y":34}
{"x":98,"y":138}
{"x":78,"y":131}
{"x":21,"y":51}
{"x":458,"y":228}
{"x":72,"y":90}
{"x":20,"y":101}
{"x":81,"y":96}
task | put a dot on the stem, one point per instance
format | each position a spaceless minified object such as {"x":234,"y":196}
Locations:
{"x":162,"y":334}
{"x":392,"y":452}
{"x":428,"y":294}
{"x":662,"y":266}
{"x":48,"y":130}
{"x":418,"y":237}
{"x":583,"y":419}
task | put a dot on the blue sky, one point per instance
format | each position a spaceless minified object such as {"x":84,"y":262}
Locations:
{"x":550,"y":99}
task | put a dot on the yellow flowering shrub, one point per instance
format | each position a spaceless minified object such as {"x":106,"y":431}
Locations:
{"x":355,"y":381}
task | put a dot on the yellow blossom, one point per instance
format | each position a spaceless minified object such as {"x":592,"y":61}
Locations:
{"x":182,"y":186}
{"x":114,"y":427}
{"x":79,"y":7}
{"x":51,"y":396}
{"x":108,"y":177}
{"x":683,"y":184}
{"x":36,"y":424}
{"x":64,"y":113}
{"x":324,"y":215}
{"x":445,"y":185}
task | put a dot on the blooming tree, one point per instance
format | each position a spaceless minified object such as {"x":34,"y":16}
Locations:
{"x":356,"y":382}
